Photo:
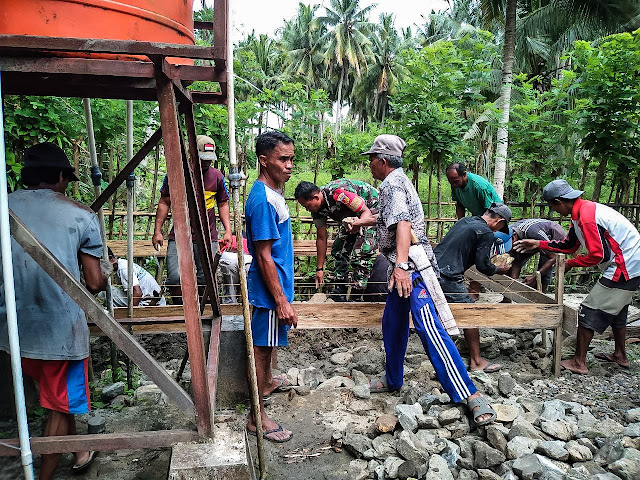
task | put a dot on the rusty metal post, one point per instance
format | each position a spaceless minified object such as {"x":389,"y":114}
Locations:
{"x":182,"y":224}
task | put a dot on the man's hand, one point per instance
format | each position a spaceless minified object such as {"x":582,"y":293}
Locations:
{"x":157,"y":240}
{"x":226,"y":240}
{"x":319,"y":278}
{"x":351,"y":224}
{"x":502,"y":269}
{"x":287,"y":314}
{"x":524,"y":246}
{"x":402,"y":281}
{"x":530,"y":280}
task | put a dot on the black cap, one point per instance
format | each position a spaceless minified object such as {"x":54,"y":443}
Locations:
{"x":48,"y":155}
{"x":503,"y":211}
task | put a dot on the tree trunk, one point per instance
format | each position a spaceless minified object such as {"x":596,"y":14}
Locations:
{"x":508,"y":51}
{"x":600,"y":174}
{"x":437,"y":157}
{"x":416,"y":172}
{"x":584,"y":160}
{"x":338,"y":125}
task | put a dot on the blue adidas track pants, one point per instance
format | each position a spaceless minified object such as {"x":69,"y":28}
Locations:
{"x":437,"y":343}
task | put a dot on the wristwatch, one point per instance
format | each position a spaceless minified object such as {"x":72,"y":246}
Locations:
{"x":403,"y":266}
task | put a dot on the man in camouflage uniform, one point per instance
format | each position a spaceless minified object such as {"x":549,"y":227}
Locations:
{"x":354,"y":248}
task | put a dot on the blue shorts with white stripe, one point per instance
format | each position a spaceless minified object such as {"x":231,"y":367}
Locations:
{"x":267,"y":329}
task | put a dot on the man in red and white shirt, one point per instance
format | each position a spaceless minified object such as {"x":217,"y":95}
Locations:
{"x":612,"y":244}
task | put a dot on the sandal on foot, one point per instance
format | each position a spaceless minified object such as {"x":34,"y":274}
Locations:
{"x":490,"y":367}
{"x":607,"y":358}
{"x":483,"y":408}
{"x":85,"y":465}
{"x":373,"y":388}
{"x":266,"y":434}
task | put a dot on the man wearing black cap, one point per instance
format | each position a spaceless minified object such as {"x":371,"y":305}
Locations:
{"x":613,"y":245}
{"x":54,"y":338}
{"x":469,"y":242}
{"x":413,"y":285}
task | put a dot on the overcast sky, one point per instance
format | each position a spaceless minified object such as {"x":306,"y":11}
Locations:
{"x":265,"y":16}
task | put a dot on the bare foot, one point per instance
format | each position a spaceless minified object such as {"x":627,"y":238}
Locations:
{"x":278,"y":383}
{"x":574,"y":366}
{"x":484,"y":365}
{"x":271,"y":430}
{"x":481,"y":418}
{"x":82,"y":457}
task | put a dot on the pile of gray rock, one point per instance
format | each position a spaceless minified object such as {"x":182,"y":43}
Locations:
{"x":554,"y":440}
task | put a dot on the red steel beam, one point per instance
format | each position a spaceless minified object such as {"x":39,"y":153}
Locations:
{"x":128,"y":168}
{"x":182,"y":228}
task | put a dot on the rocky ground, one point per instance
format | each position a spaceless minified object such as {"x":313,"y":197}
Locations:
{"x":572,"y":427}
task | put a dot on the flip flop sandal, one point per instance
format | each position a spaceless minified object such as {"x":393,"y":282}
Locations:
{"x":284,"y":386}
{"x":604,"y":357}
{"x":490,"y":367}
{"x":382,"y":380}
{"x":270,"y":432}
{"x":85,"y":465}
{"x":483,"y":408}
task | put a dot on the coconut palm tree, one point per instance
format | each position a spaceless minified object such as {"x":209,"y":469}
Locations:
{"x":347,"y":44}
{"x":301,"y":41}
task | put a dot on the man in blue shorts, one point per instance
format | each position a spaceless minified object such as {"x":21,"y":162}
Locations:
{"x":54,"y":337}
{"x":270,"y":242}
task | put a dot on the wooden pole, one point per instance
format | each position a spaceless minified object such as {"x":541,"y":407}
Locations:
{"x":557,"y":336}
{"x":236,"y":180}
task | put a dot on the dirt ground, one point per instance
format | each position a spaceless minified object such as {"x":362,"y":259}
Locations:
{"x":608,"y":391}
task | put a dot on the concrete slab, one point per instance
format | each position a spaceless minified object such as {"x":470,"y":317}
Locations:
{"x":225,"y":457}
{"x":232,"y":388}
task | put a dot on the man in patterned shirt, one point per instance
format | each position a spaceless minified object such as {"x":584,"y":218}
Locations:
{"x":353,"y":248}
{"x":401,"y":215}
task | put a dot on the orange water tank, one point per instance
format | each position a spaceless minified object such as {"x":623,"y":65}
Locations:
{"x":168,"y":21}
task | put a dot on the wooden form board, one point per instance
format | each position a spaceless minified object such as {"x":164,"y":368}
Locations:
{"x":144,"y":248}
{"x":521,"y":293}
{"x":356,"y":315}
{"x":101,"y":442}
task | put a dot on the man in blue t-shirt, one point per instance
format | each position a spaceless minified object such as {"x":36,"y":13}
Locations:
{"x":270,"y":280}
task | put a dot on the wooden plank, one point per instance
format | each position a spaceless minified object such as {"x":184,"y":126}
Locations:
{"x":184,"y":242}
{"x":509,"y":287}
{"x":22,"y":43}
{"x":369,"y":314}
{"x":557,"y":336}
{"x":129,"y":168}
{"x":141,"y":248}
{"x":144,"y":248}
{"x":99,"y":442}
{"x":82,"y":66}
{"x":95,"y":311}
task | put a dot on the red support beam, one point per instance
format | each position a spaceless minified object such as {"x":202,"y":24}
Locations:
{"x":182,"y":228}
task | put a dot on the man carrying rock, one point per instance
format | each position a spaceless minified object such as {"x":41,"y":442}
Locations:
{"x":468,"y":243}
{"x":354,"y":248}
{"x":613,"y":244}
{"x":54,"y":337}
{"x":270,"y":242}
{"x":399,"y":219}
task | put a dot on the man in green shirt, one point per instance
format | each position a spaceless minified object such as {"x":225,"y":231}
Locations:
{"x":470,"y":191}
